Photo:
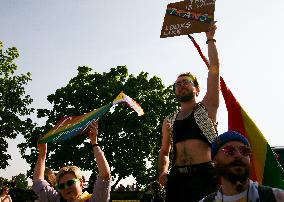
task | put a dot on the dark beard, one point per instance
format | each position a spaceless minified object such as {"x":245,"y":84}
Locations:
{"x":186,"y":97}
{"x":231,"y":173}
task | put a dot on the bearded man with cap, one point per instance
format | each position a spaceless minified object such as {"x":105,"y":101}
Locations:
{"x":231,"y":153}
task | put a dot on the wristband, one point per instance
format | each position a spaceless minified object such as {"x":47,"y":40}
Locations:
{"x":208,"y":40}
{"x":95,"y":145}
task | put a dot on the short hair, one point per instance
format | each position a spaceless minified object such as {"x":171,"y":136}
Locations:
{"x":69,"y":169}
{"x":192,"y":77}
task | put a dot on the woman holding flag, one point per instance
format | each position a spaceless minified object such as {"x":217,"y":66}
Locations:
{"x":69,"y":180}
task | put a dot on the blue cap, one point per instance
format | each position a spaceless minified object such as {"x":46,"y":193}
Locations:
{"x":227,"y":137}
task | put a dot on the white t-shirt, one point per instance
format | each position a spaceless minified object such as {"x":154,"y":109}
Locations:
{"x":252,"y":195}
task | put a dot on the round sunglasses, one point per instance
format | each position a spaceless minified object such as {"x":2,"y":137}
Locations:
{"x":231,"y":150}
{"x":66,"y":184}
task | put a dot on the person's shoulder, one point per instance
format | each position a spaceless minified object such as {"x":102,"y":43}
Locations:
{"x":267,"y":192}
{"x":172,"y":115}
{"x":170,"y":119}
{"x":209,"y":198}
{"x":40,"y":182}
{"x":279,"y":194}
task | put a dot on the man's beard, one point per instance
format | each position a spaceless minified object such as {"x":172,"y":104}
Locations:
{"x":188,"y":96}
{"x":236,"y":172}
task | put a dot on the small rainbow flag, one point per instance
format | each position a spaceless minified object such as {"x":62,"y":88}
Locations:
{"x":265,"y":168}
{"x":71,"y":126}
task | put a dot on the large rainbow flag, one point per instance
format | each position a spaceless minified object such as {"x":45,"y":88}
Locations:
{"x":70,"y":126}
{"x":265,"y":168}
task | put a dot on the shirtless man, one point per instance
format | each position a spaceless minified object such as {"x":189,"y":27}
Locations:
{"x":189,"y":132}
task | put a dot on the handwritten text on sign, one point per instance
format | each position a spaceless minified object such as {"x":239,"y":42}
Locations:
{"x":186,"y":17}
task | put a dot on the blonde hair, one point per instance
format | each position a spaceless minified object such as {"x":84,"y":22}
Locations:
{"x":69,"y":169}
{"x":50,"y":176}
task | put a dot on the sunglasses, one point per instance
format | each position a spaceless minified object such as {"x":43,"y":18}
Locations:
{"x":66,"y":184}
{"x":183,"y":82}
{"x":231,"y":150}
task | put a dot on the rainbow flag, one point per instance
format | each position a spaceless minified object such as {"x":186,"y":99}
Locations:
{"x":71,"y":126}
{"x":265,"y":168}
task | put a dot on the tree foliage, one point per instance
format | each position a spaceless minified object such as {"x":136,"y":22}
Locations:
{"x":20,"y":181}
{"x":128,"y":141}
{"x":13,"y":102}
{"x":4,"y":181}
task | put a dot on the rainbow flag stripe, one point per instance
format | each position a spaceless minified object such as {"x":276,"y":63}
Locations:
{"x":265,"y":168}
{"x":71,"y":126}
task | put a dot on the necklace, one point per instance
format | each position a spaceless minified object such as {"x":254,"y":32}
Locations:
{"x":221,"y":190}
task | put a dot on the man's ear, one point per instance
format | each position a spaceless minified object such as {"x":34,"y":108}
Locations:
{"x":81,"y":182}
{"x":197,"y":90}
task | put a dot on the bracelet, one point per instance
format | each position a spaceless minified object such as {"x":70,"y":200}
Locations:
{"x":208,"y":40}
{"x":95,"y":145}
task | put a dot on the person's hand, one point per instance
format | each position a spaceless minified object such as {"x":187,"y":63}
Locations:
{"x":163,"y":179}
{"x":42,"y":149}
{"x":92,"y":131}
{"x":211,"y":31}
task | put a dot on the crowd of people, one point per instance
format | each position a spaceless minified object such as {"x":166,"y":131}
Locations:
{"x":205,"y":166}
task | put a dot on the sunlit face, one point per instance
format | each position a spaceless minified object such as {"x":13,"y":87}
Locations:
{"x":70,"y":192}
{"x":233,"y":162}
{"x":184,"y":89}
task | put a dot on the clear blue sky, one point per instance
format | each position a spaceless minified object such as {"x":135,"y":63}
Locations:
{"x":55,"y":37}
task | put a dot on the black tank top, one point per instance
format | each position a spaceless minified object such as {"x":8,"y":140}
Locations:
{"x":187,"y":129}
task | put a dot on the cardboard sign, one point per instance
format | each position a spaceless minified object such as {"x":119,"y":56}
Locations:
{"x":187,"y":17}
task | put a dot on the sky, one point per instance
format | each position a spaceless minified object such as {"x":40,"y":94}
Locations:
{"x":55,"y":37}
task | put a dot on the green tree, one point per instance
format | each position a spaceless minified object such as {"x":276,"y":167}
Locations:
{"x":4,"y":181}
{"x":21,"y":181}
{"x":13,"y":102}
{"x":129,"y":141}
